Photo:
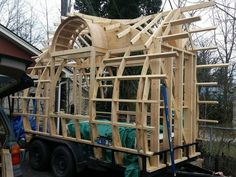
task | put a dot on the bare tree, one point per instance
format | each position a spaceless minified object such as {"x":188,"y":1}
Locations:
{"x":224,"y":17}
{"x":21,"y":19}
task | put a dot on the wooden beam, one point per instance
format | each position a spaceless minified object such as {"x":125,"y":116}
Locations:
{"x":202,"y":29}
{"x":175,"y":36}
{"x":7,"y":168}
{"x":142,"y":57}
{"x":178,"y":90}
{"x":137,"y":36}
{"x":207,"y":102}
{"x":208,"y":121}
{"x":133,"y":77}
{"x":189,"y":101}
{"x":206,"y":84}
{"x":127,"y":30}
{"x":69,"y":52}
{"x":184,"y":21}
{"x":212,"y":65}
{"x":203,"y":48}
{"x":112,"y":27}
{"x":158,"y":31}
{"x":198,"y":6}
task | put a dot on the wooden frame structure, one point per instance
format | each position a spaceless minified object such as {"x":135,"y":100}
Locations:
{"x":104,"y":56}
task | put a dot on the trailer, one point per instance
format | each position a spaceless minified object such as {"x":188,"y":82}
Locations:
{"x":115,"y":114}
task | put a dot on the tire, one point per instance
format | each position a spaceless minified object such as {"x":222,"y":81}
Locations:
{"x":62,"y":162}
{"x":39,"y":155}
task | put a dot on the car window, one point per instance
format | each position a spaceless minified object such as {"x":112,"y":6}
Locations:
{"x":2,"y":133}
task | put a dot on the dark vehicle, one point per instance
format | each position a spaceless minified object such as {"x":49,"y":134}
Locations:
{"x":8,"y":141}
{"x":12,"y":80}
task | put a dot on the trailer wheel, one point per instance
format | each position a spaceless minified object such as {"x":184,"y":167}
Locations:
{"x":62,"y":162}
{"x":39,"y":155}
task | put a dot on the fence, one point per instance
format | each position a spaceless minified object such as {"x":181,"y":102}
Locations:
{"x":219,"y":148}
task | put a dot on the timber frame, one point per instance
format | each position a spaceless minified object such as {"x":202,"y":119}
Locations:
{"x":101,"y":55}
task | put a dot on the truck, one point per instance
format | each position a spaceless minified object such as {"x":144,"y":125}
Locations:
{"x":117,"y":93}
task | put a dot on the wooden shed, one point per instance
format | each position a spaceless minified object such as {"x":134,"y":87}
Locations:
{"x":122,"y":65}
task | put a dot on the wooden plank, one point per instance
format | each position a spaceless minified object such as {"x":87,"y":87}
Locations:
{"x":145,"y":114}
{"x":122,"y":49}
{"x":188,"y":101}
{"x":202,"y":29}
{"x":208,"y":102}
{"x":112,"y":27}
{"x":204,"y":48}
{"x":147,"y":27}
{"x":69,"y":116}
{"x":52,"y":97}
{"x":198,"y":6}
{"x":122,"y":124}
{"x":175,"y":36}
{"x":126,"y":100}
{"x":42,"y":81}
{"x":115,"y":106}
{"x":127,"y":30}
{"x":29,"y":98}
{"x":168,"y":64}
{"x":41,"y":67}
{"x":79,"y":107}
{"x":208,"y":121}
{"x":184,"y":21}
{"x":7,"y":169}
{"x":178,"y":90}
{"x":194,"y":7}
{"x":142,"y":57}
{"x":64,"y":128}
{"x":195,"y":106}
{"x":206,"y":84}
{"x":92,"y":108}
{"x":69,"y":52}
{"x":75,"y":89}
{"x":158,"y":31}
{"x":133,"y":77}
{"x":84,"y":41}
{"x":140,"y":135}
{"x":212,"y":65}
{"x":155,"y":66}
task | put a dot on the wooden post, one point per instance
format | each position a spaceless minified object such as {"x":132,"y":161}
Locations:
{"x":189,"y":100}
{"x":155,"y":108}
{"x":178,"y":122}
{"x":52,"y":97}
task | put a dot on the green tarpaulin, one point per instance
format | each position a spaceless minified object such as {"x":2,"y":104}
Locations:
{"x":127,"y":138}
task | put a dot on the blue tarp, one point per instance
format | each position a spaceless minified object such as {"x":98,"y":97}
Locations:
{"x":18,"y":128}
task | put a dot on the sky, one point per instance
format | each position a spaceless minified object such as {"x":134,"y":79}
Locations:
{"x":53,"y":6}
